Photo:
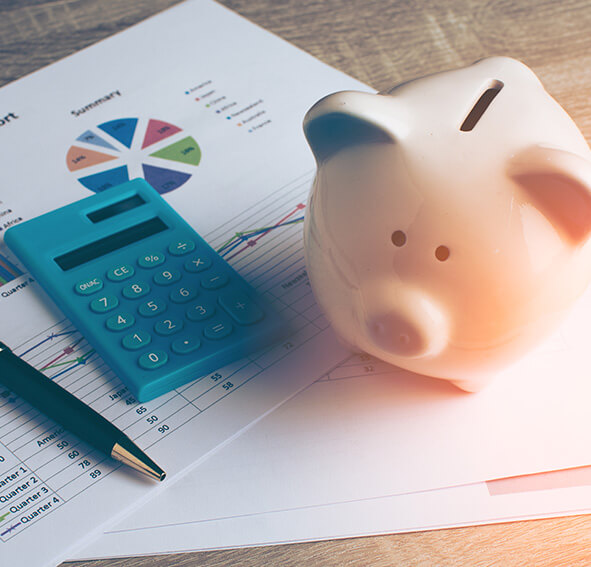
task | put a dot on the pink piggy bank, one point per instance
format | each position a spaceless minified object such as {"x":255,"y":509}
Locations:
{"x":448,"y":228}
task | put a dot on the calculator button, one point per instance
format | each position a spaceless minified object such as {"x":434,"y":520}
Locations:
{"x":86,"y":287}
{"x":120,"y":273}
{"x":217,"y":330}
{"x":201,"y":311}
{"x":135,"y":290}
{"x":214,"y":281}
{"x":150,"y":260}
{"x":182,"y":294}
{"x":136,"y":340}
{"x":120,"y":321}
{"x":104,"y":303}
{"x":152,"y":360}
{"x":151,"y":308}
{"x":166,"y":277}
{"x":168,"y":326}
{"x":185,"y":344}
{"x":240,"y":307}
{"x":181,"y":247}
{"x":197,"y":263}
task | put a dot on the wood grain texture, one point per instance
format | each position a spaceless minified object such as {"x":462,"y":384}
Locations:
{"x":381,"y":43}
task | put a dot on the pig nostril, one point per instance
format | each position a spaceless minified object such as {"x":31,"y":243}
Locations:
{"x":442,"y":253}
{"x":398,"y":238}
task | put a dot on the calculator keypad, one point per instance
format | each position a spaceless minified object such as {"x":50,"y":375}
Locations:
{"x":190,"y":298}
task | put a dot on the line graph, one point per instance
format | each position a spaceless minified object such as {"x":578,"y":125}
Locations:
{"x":70,"y":348}
{"x":268,"y":248}
{"x":50,"y":337}
{"x":251,"y":237}
{"x":56,"y":362}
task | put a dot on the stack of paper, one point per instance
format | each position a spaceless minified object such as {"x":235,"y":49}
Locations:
{"x":366,"y":448}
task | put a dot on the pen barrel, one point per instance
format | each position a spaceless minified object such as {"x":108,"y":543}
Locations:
{"x":56,"y":402}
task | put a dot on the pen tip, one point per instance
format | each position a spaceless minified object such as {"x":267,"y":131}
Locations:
{"x":126,"y":451}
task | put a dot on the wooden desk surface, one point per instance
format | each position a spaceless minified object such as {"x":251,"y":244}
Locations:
{"x":381,"y":43}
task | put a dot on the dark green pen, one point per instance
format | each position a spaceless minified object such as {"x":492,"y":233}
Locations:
{"x":61,"y":406}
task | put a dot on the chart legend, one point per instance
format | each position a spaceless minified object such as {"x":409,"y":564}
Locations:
{"x":8,"y":271}
{"x":102,"y":157}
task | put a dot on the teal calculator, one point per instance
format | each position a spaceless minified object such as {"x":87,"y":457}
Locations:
{"x":157,"y":303}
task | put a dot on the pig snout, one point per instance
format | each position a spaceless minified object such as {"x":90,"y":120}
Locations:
{"x":411,"y":326}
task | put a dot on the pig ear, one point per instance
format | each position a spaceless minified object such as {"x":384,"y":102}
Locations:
{"x":558,"y":184}
{"x":346,"y":119}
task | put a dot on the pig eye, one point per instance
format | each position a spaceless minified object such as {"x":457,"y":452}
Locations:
{"x":398,"y":238}
{"x":442,"y":253}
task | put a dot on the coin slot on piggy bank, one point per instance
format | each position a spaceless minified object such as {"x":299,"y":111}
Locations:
{"x":481,"y":105}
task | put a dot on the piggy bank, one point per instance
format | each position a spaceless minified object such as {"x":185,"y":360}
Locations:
{"x":447,"y":230}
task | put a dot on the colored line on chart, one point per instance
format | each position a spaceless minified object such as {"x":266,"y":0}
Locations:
{"x":13,"y":527}
{"x":48,"y":338}
{"x":57,"y":362}
{"x":251,"y":237}
{"x":4,"y":516}
{"x":67,"y":350}
{"x":78,"y":361}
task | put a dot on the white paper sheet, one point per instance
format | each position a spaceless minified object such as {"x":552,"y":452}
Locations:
{"x":367,"y":430}
{"x":330,"y":462}
{"x":120,"y":108}
{"x":560,"y":493}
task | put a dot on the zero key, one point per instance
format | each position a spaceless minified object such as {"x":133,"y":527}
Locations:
{"x":152,"y":360}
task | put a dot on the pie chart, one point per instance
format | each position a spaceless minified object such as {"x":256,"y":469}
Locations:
{"x":117,"y":150}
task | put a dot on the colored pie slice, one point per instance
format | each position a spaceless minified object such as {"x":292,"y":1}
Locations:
{"x":98,"y":182}
{"x":184,"y":151}
{"x":158,"y":130}
{"x":122,"y":129}
{"x":162,"y":179}
{"x":79,"y":158}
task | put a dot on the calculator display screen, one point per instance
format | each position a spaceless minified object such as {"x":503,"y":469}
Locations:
{"x":116,"y":208}
{"x":110,"y":243}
